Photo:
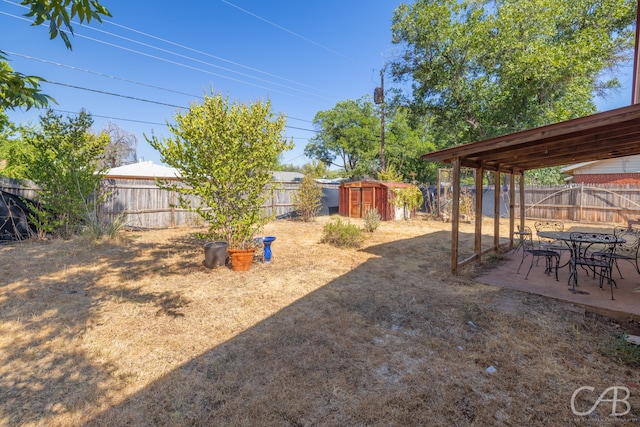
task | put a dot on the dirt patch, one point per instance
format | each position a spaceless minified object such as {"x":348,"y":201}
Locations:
{"x":139,"y":332}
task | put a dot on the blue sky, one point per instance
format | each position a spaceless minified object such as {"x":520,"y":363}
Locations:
{"x":156,"y":56}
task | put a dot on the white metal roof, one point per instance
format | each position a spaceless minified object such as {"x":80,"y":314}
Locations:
{"x":146,"y":169}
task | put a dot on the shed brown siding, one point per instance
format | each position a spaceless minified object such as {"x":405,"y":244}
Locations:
{"x":356,"y":198}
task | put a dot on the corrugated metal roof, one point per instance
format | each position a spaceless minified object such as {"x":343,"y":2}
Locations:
{"x":287,"y":176}
{"x":146,"y":169}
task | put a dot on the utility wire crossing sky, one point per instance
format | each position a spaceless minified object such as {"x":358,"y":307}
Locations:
{"x":152,"y":59}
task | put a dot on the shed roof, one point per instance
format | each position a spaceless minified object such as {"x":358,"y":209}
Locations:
{"x":146,"y":169}
{"x":600,"y":136}
{"x":373,"y":183}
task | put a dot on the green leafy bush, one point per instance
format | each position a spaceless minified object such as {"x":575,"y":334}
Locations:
{"x":372,"y":220}
{"x":342,"y":234}
{"x":306,"y":201}
{"x":64,"y":159}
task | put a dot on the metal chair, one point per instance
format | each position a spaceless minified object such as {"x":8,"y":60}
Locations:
{"x":584,"y":256}
{"x":552,"y":258}
{"x":550,"y":244}
{"x":625,"y":251}
{"x":522,"y":231}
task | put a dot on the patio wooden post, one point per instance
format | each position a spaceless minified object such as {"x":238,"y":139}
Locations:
{"x":522,"y":209}
{"x":455,"y":216}
{"x":478,"y":219}
{"x":496,"y":209}
{"x":512,"y":207}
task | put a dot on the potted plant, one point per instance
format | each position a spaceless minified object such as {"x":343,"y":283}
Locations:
{"x":225,"y":154}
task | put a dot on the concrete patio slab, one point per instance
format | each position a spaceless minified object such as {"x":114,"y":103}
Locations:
{"x":625,"y":306}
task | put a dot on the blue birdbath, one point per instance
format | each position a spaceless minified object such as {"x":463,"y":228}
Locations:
{"x":267,"y":247}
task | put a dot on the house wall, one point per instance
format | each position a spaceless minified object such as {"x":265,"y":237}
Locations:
{"x":607,"y":178}
{"x":623,"y":170}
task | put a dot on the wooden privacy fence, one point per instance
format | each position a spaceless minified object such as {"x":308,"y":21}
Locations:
{"x":587,"y":203}
{"x":143,"y":205}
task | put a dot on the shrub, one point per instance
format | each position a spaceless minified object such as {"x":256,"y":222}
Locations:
{"x":372,"y":220}
{"x":306,"y":201}
{"x":64,"y":160}
{"x":407,"y":198}
{"x":97,"y":230}
{"x":342,"y":235}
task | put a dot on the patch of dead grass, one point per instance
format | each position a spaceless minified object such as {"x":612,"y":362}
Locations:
{"x":138,"y":332}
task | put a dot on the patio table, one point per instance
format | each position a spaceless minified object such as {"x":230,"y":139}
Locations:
{"x":565,"y":236}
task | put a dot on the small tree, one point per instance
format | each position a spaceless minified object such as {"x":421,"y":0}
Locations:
{"x":408,"y":198}
{"x":226,"y":154}
{"x":306,"y":201}
{"x":63,"y":159}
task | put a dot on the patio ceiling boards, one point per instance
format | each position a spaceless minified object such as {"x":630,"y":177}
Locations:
{"x":601,"y":136}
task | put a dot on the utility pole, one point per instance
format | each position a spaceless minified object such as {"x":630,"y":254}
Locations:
{"x":378,"y":98}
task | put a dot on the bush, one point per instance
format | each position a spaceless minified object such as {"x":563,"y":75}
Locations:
{"x":306,"y":201}
{"x":97,"y":230}
{"x":371,"y":220}
{"x":342,"y":235}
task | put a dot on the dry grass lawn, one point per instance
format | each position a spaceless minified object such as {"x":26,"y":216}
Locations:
{"x":138,"y":332}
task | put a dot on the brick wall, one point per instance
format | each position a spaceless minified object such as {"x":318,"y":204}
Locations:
{"x":607,"y":178}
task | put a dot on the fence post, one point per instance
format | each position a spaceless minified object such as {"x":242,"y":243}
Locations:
{"x":580,"y":210}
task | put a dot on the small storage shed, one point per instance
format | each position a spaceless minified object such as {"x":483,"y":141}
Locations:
{"x":357,"y":197}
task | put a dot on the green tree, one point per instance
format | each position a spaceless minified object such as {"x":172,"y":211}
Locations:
{"x":483,"y":68}
{"x":306,"y":200}
{"x":316,"y":169}
{"x":405,"y":141}
{"x":226,"y":154}
{"x":19,"y":90}
{"x":12,"y":148}
{"x":63,"y":159}
{"x":348,"y":137}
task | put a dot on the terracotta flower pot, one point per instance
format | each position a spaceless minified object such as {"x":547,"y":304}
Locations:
{"x":241,"y":259}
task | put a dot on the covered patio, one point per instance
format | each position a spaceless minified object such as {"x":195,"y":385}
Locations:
{"x":625,"y":306}
{"x":607,"y":135}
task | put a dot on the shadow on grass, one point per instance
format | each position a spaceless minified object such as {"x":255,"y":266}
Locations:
{"x":395,"y":341}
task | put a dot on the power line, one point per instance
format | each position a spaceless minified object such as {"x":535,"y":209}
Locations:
{"x":125,"y":80}
{"x":181,"y":56}
{"x":288,"y":31}
{"x":114,"y":94}
{"x":112,"y":118}
{"x":97,"y":73}
{"x":214,"y":56}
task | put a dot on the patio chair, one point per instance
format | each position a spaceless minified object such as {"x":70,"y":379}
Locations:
{"x":522,"y":231}
{"x":625,"y":251}
{"x":550,"y":244}
{"x":583,"y":255}
{"x":552,"y":258}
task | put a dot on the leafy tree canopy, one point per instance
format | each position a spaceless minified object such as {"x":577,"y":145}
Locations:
{"x":484,"y":68}
{"x":226,"y":154}
{"x":18,"y":90}
{"x":348,"y":136}
{"x":63,"y":158}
